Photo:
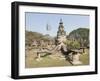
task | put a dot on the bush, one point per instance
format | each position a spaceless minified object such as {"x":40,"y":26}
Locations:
{"x":72,"y":44}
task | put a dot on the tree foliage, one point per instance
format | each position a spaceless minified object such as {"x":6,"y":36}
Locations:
{"x":80,"y":35}
{"x":72,"y":44}
{"x":31,"y":36}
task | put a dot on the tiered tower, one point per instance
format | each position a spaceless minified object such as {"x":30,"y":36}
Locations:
{"x":61,"y":34}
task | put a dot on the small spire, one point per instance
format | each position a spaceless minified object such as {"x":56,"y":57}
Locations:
{"x":61,"y":21}
{"x":48,"y":27}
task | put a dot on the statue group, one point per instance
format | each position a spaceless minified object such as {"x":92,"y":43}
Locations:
{"x":74,"y":57}
{"x":71,"y":55}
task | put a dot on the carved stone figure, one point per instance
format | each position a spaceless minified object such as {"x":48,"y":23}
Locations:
{"x":61,"y":34}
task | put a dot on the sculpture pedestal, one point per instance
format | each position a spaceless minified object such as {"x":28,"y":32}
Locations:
{"x":76,"y":59}
{"x":38,"y":57}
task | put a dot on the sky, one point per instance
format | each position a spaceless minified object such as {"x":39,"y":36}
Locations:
{"x":37,"y":22}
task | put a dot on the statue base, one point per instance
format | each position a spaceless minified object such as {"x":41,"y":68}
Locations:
{"x":76,"y":59}
{"x":38,"y":59}
{"x":76,"y":62}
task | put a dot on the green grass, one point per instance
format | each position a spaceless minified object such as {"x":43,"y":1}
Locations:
{"x":85,"y":58}
{"x":47,"y":61}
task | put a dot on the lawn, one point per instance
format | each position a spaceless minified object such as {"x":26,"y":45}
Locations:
{"x":47,"y":61}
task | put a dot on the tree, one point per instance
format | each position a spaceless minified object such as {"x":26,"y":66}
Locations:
{"x":81,"y":35}
{"x":72,"y":44}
